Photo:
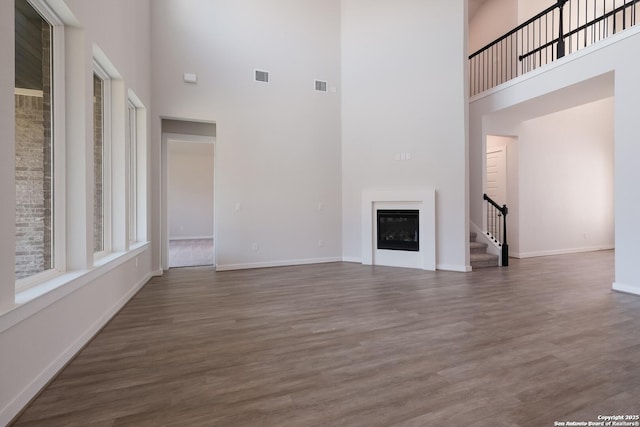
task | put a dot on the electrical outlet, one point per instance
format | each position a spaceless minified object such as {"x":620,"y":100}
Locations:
{"x":321,"y":243}
{"x":190,"y":78}
{"x":255,"y":247}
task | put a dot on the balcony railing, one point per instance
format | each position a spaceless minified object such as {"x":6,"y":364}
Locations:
{"x":563,"y":28}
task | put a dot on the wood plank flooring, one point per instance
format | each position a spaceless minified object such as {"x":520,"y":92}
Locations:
{"x":343,"y":344}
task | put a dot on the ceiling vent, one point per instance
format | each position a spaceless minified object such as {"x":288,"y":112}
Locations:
{"x":320,"y":86}
{"x":262,"y":76}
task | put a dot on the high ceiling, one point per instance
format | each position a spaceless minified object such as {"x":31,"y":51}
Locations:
{"x":29,"y":43}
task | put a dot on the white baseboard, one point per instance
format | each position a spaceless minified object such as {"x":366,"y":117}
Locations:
{"x":621,"y":287}
{"x":190,"y":238}
{"x":24,"y":397}
{"x":451,"y":267}
{"x":283,"y":263}
{"x":447,"y":267}
{"x":561,"y":251}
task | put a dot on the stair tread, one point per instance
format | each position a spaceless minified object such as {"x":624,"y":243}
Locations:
{"x":478,"y":256}
{"x":474,"y":245}
{"x":483,"y":260}
{"x":484,"y":265}
{"x":483,"y":257}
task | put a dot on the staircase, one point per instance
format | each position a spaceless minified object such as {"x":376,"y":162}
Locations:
{"x":479,"y":256}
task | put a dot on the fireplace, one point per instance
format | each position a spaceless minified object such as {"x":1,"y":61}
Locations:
{"x":415,"y":249}
{"x":398,"y":230}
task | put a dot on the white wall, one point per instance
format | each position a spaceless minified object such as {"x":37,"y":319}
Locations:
{"x":494,"y":19}
{"x":596,"y":72}
{"x":190,"y":182}
{"x":121,"y":29}
{"x":497,"y":17}
{"x":566,"y":186}
{"x":530,"y":8}
{"x":278,"y":144}
{"x":39,"y":335}
{"x":396,"y":98}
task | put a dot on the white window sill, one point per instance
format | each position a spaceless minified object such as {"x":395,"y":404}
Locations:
{"x":106,"y":258}
{"x":135,"y":245}
{"x":35,"y":298}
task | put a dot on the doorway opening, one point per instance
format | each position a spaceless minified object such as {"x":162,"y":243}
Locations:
{"x":497,"y":175}
{"x":556,"y":178}
{"x":188,"y":223}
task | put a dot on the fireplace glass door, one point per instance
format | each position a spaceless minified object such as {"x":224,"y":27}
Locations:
{"x":398,"y":230}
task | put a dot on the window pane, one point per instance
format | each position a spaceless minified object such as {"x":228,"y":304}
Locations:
{"x":133,"y":173}
{"x":34,"y":145}
{"x":98,"y":164}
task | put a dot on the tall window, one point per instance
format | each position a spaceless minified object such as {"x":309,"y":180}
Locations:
{"x":133,"y":171}
{"x":137,"y":169}
{"x":98,"y":166}
{"x":34,"y":142}
{"x":101,"y":161}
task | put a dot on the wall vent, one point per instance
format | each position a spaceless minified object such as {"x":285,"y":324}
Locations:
{"x":262,"y":76}
{"x":321,"y":86}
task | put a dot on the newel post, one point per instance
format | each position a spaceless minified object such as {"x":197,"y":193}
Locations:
{"x":505,"y":245}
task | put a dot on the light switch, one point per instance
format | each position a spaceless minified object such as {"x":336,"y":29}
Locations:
{"x":190,"y":78}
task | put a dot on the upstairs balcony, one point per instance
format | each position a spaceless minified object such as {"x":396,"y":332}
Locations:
{"x":563,"y":28}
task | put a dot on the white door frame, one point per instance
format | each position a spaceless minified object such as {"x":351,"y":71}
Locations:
{"x":164,"y":223}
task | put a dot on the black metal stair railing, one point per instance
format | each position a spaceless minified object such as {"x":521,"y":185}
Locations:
{"x":563,"y":28}
{"x":497,"y":226}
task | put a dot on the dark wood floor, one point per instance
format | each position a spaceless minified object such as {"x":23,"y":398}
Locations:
{"x":348,"y":345}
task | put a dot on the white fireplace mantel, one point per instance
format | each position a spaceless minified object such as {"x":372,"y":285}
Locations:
{"x":422,"y":199}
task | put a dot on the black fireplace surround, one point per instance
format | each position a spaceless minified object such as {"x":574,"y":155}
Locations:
{"x":398,"y":230}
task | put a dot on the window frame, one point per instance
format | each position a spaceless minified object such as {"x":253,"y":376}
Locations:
{"x":136,"y":171}
{"x":58,"y":152}
{"x":107,"y":161}
{"x":132,"y":135}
